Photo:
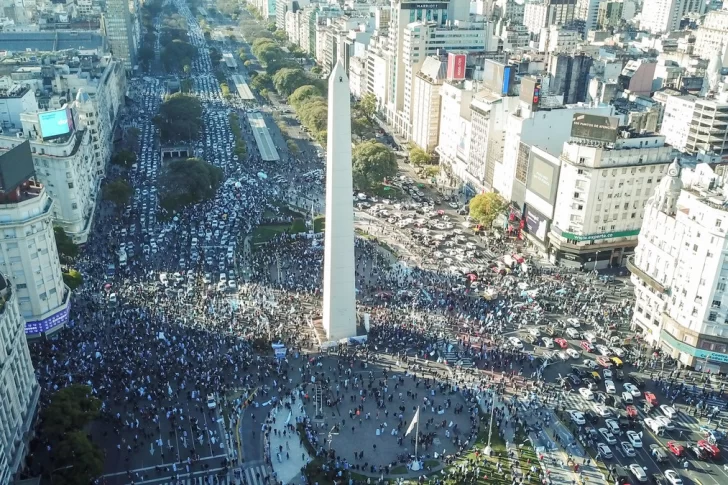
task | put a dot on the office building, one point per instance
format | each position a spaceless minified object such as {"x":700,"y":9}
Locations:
{"x":19,"y":390}
{"x":119,"y":31}
{"x":662,"y":16}
{"x":708,"y":130}
{"x":587,"y":11}
{"x":605,"y":177}
{"x":18,"y":98}
{"x":677,"y":119}
{"x":545,"y":13}
{"x":426,"y":103}
{"x":712,"y":34}
{"x":680,"y":271}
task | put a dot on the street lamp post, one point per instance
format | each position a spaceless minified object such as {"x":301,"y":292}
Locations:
{"x":488,"y":449}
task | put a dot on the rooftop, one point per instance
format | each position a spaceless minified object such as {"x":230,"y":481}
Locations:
{"x":50,"y":41}
{"x":17,"y":91}
{"x":29,"y":190}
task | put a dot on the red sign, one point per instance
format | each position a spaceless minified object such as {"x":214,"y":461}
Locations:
{"x":456,"y":66}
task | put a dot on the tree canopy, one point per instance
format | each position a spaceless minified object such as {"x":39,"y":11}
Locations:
{"x":179,"y":118}
{"x":71,"y":408}
{"x":287,"y":80}
{"x":418,"y":156}
{"x":189,"y":181}
{"x":118,"y":192}
{"x":177,"y":54}
{"x":72,"y":278}
{"x":367,"y":106}
{"x":65,"y":245}
{"x":485,"y":208}
{"x":266,"y":50}
{"x":77,"y":460}
{"x":261,"y":82}
{"x":302,"y":94}
{"x":125,"y":158}
{"x":372,"y":163}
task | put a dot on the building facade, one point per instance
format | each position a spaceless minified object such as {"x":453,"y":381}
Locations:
{"x":664,"y":15}
{"x":118,"y":29}
{"x":19,"y":389}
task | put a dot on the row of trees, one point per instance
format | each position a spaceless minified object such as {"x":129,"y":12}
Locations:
{"x":234,"y":121}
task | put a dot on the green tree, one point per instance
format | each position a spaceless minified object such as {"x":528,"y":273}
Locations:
{"x":302,"y":94}
{"x":298,"y":226}
{"x":261,"y":82}
{"x":418,"y":156}
{"x":146,"y":53}
{"x":372,"y":163}
{"x":118,"y":192}
{"x":189,"y":181}
{"x":313,"y":113}
{"x":316,"y":70}
{"x":248,"y":63}
{"x":292,"y":147}
{"x":178,"y":53}
{"x":485,"y":208}
{"x":131,"y":138}
{"x":125,"y":158}
{"x":215,"y":56}
{"x":271,"y":26}
{"x":70,"y":409}
{"x":67,"y":249}
{"x":287,"y":80}
{"x":73,"y":279}
{"x":225,"y":90}
{"x":280,"y":35}
{"x":179,"y":118}
{"x":319,"y":223}
{"x":367,"y":106}
{"x":76,"y":460}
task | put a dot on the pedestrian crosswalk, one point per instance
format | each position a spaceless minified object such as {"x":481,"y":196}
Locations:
{"x":202,"y":479}
{"x":252,"y":474}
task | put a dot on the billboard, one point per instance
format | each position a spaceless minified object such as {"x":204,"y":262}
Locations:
{"x":542,"y":178}
{"x":507,"y":80}
{"x":593,"y":127}
{"x":493,"y":75}
{"x":456,"y":66}
{"x":55,"y":123}
{"x":530,"y":91}
{"x":424,"y":5}
{"x":536,"y":224}
{"x":16,"y":166}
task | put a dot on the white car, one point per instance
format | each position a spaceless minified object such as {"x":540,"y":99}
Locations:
{"x":668,"y":411}
{"x":673,"y":477}
{"x":604,"y":451}
{"x":572,"y":332}
{"x":515,"y":342}
{"x":535,"y":332}
{"x":586,"y":393}
{"x":608,"y":436}
{"x":602,"y":410}
{"x":627,"y":449}
{"x":618,"y":351}
{"x":638,"y":472}
{"x":634,"y":438}
{"x":665,"y":421}
{"x":627,"y":397}
{"x":563,"y":356}
{"x":632,"y":389}
{"x":591,"y":364}
{"x":574,"y":322}
{"x":577,"y":417}
{"x":610,"y":387}
{"x":613,"y":426}
{"x":211,"y":403}
{"x":547,"y":342}
{"x":607,"y":373}
{"x":572,"y":353}
{"x":603,"y":349}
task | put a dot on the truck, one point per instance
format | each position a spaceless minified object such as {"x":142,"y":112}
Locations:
{"x":110,"y":269}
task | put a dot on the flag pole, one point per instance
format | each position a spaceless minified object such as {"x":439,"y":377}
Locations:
{"x":416,"y":464}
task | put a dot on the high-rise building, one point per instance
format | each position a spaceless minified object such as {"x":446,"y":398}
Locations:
{"x":680,"y":271}
{"x":587,"y":12}
{"x":712,"y":35}
{"x":426,"y":103}
{"x":545,"y":13}
{"x":708,"y":132}
{"x":661,"y":16}
{"x":19,"y":390}
{"x":117,"y":26}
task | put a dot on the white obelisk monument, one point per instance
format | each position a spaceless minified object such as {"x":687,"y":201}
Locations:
{"x":339,"y":260}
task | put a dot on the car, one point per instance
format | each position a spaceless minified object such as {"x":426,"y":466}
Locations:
{"x":607,"y":373}
{"x":637,"y":382}
{"x":574,"y":322}
{"x":608,"y":436}
{"x":651,"y":398}
{"x":515,"y":342}
{"x":665,"y":421}
{"x":535,"y":332}
{"x":603,"y":349}
{"x":586,"y":346}
{"x":658,"y":453}
{"x":574,"y":379}
{"x":586,"y":393}
{"x":638,"y":472}
{"x":561,"y":343}
{"x":709,"y":448}
{"x":673,"y":477}
{"x":211,"y":402}
{"x":572,"y":353}
{"x":590,"y":364}
{"x":627,"y":449}
{"x":573,"y":333}
{"x":604,"y":361}
{"x":613,"y":426}
{"x":676,"y":448}
{"x":454,"y":205}
{"x":604,"y":451}
{"x":631,"y":411}
{"x":547,"y":342}
{"x":632,"y":389}
{"x":579,"y":371}
{"x":610,"y":387}
{"x":563,"y":356}
{"x":602,"y":410}
{"x":577,"y":417}
{"x":668,"y":411}
{"x":207,"y":279}
{"x":697,"y":453}
{"x":627,"y":397}
{"x":634,"y":439}
{"x":591,"y":418}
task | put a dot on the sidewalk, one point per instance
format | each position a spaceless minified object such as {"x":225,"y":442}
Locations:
{"x":293,"y":455}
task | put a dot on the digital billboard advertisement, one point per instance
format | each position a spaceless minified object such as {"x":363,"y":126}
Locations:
{"x":593,"y":127}
{"x":541,"y":180}
{"x":55,"y":123}
{"x":507,"y":79}
{"x":536,"y":224}
{"x":530,"y":91}
{"x":456,"y":66}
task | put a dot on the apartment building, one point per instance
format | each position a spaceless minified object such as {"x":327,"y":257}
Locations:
{"x":664,"y":16}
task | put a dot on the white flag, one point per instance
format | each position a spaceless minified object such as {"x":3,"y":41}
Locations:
{"x":414,"y":421}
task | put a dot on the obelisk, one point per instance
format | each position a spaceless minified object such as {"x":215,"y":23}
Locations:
{"x":339,"y":260}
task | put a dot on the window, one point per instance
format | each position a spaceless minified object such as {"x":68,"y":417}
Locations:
{"x":576,"y":195}
{"x":74,"y":206}
{"x":720,"y":287}
{"x":70,"y":185}
{"x":715,"y":304}
{"x":712,"y":316}
{"x":21,"y":286}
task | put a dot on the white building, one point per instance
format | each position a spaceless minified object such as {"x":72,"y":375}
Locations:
{"x":67,"y":167}
{"x":679,"y":272}
{"x":29,"y":257}
{"x":19,"y":390}
{"x":661,"y":16}
{"x":587,"y":10}
{"x":555,"y":39}
{"x":426,"y":103}
{"x":119,"y":31}
{"x":358,"y":75}
{"x":712,"y":35}
{"x":454,"y":138}
{"x":602,"y":190}
{"x":545,"y":13}
{"x":19,"y":98}
{"x":676,"y":120}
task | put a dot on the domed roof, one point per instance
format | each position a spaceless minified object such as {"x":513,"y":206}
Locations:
{"x":672,"y":183}
{"x":82,"y":96}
